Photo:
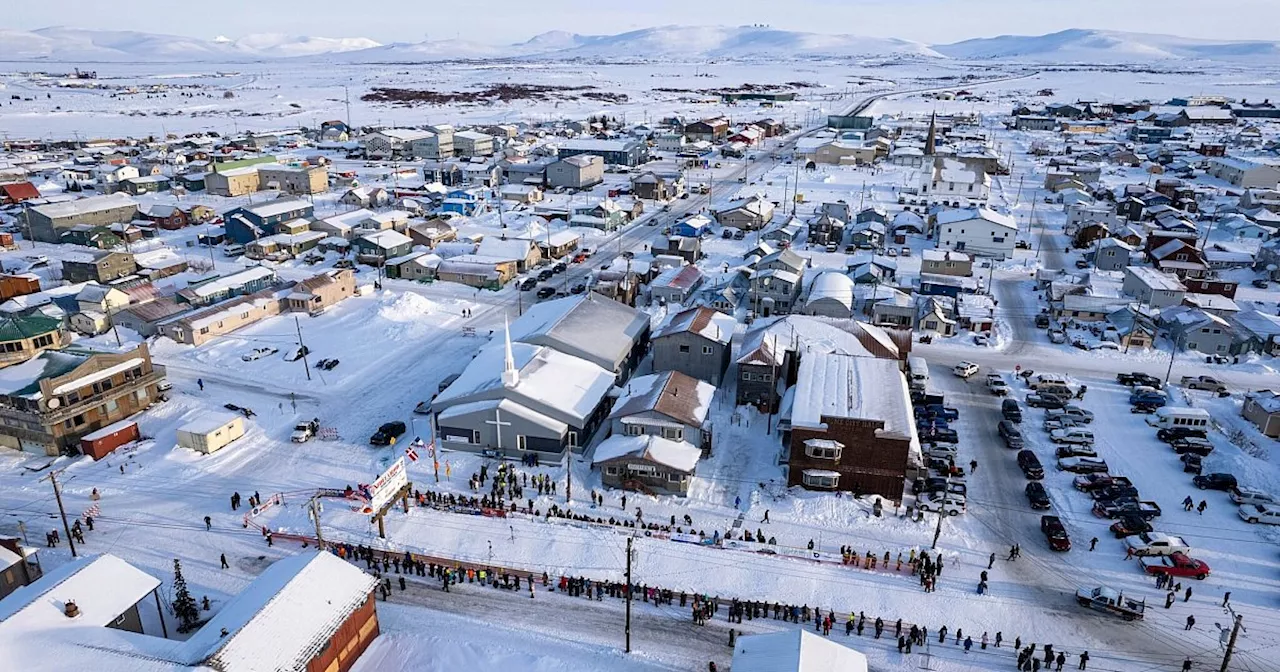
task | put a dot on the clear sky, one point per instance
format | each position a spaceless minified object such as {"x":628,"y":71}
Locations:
{"x":505,"y":21}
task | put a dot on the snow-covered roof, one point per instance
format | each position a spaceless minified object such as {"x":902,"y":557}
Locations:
{"x":233,"y":281}
{"x":832,"y":285}
{"x":278,"y":207}
{"x":387,"y":239}
{"x":85,"y":206}
{"x":678,"y":455}
{"x":507,"y":407}
{"x":593,"y":145}
{"x":844,"y":386}
{"x":1267,"y":400}
{"x":705,"y":322}
{"x":795,"y":651}
{"x":674,"y":394}
{"x":1154,"y":279}
{"x":955,"y":215}
{"x":96,"y":376}
{"x":813,"y":334}
{"x":210,"y":423}
{"x":406,"y":134}
{"x":599,"y":329}
{"x":102,"y":587}
{"x":511,"y":249}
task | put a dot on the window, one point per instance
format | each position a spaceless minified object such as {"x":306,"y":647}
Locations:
{"x":78,"y":420}
{"x":820,"y":479}
{"x":673,"y":433}
{"x":823,"y":450}
{"x":931,"y":324}
{"x":684,"y":349}
{"x":572,"y":441}
{"x":634,"y":430}
{"x":520,"y":442}
{"x":676,"y":478}
{"x":747,"y":375}
{"x":706,"y":349}
{"x":475,"y":437}
{"x":111,"y":406}
{"x":43,"y":341}
{"x":765,"y":377}
{"x":1192,"y":346}
{"x":612,"y":471}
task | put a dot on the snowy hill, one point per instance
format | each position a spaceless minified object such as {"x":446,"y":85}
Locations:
{"x":77,"y":45}
{"x":1107,"y":46}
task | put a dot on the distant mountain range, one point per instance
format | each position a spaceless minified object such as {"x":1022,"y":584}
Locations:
{"x":73,"y":45}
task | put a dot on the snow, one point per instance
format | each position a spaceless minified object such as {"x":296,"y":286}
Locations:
{"x":102,"y":586}
{"x":209,"y":423}
{"x":85,"y":206}
{"x":842,"y":386}
{"x":96,"y":376}
{"x":232,"y":282}
{"x":955,"y":216}
{"x":795,"y":651}
{"x":108,"y":430}
{"x":277,"y":207}
{"x":678,"y":455}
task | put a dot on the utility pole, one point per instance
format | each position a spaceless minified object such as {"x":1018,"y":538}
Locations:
{"x":315,"y":516}
{"x":1226,"y":656}
{"x":628,"y":629}
{"x":302,"y":348}
{"x":57,"y":494}
{"x":568,"y":472}
{"x":347,"y":95}
{"x":937,"y":532}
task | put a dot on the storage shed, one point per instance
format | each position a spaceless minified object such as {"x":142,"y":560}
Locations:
{"x":102,"y":442}
{"x":211,"y":434}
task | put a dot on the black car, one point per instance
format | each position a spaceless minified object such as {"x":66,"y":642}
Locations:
{"x":1037,"y":400}
{"x":1143,"y":408}
{"x":1010,"y":410}
{"x":1138,"y":378}
{"x":528,"y":284}
{"x":1192,"y":463}
{"x":546,"y":292}
{"x":1030,"y":465}
{"x":1130,"y":525}
{"x":1173,"y":433}
{"x":545,"y":274}
{"x":559,"y":268}
{"x":1042,"y":321}
{"x":387,"y":433}
{"x":1215,"y":481}
{"x":1037,"y":497}
{"x":727,"y":234}
{"x":578,"y":288}
{"x":1012,"y":437}
{"x":1261,"y":283}
{"x":1193,"y":445}
{"x":1114,"y":492}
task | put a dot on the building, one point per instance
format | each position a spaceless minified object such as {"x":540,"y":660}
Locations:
{"x":219,"y":288}
{"x":977,"y":231}
{"x":695,"y":342}
{"x":24,"y":337}
{"x":212,"y":432}
{"x":236,"y":307}
{"x":476,"y":271}
{"x":646,"y":463}
{"x":831,"y":294}
{"x":949,"y":182}
{"x":606,"y":333}
{"x":100,"y":267}
{"x":231,"y":182}
{"x":826,"y":230}
{"x":400,"y":143}
{"x":48,"y":222}
{"x":852,"y":427}
{"x":657,"y":187}
{"x":18,"y":285}
{"x":1153,"y":288}
{"x":628,"y":153}
{"x":1262,"y":408}
{"x":524,"y":252}
{"x":749,"y":214}
{"x":266,"y":219}
{"x":676,"y":285}
{"x":379,"y":246}
{"x":317,"y":293}
{"x":12,"y":193}
{"x":19,"y":566}
{"x":50,"y":401}
{"x":713,"y":129}
{"x":295,"y":180}
{"x":146,"y":184}
{"x":1244,"y":173}
{"x":946,"y":262}
{"x":472,"y":143}
{"x":1112,"y":254}
{"x":1199,"y":330}
{"x":1035,"y":123}
{"x":795,"y":650}
{"x":579,"y":171}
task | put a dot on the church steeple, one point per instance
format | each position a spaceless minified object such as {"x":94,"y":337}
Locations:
{"x":931,"y":140}
{"x":510,"y":375}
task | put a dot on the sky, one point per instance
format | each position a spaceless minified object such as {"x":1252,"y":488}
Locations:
{"x":508,"y":21}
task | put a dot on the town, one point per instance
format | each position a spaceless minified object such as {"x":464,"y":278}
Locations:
{"x":343,"y":395}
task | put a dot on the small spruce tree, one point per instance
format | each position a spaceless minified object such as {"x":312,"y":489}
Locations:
{"x":184,"y":606}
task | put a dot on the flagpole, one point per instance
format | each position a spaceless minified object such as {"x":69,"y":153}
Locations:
{"x":435,"y":460}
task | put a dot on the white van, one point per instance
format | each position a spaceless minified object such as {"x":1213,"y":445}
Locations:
{"x":234,"y":250}
{"x":918,"y":372}
{"x":1168,"y":417}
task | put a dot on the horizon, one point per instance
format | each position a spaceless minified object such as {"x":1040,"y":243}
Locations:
{"x":930,"y":22}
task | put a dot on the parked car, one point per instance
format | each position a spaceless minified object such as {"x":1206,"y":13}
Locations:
{"x":965,"y":369}
{"x":1250,"y":496}
{"x":1138,"y":378}
{"x":1037,"y":497}
{"x":1177,"y":565}
{"x":304,"y":431}
{"x":1171,"y":434}
{"x":1074,"y":450}
{"x":546,"y":292}
{"x":996,"y":385}
{"x":1112,"y":601}
{"x":1156,"y":543}
{"x":1260,"y":513}
{"x":1091,"y":482}
{"x":1192,"y":444}
{"x":1070,"y":411}
{"x":1192,"y":463}
{"x":1030,"y":465}
{"x":1118,"y":508}
{"x":259,"y":353}
{"x":1148,"y":395}
{"x":1060,"y":423}
{"x":1260,"y":283}
{"x":387,"y":433}
{"x":1010,"y":410}
{"x":1128,"y":525}
{"x":1011,"y":435}
{"x":423,"y":408}
{"x":952,"y":505}
{"x":1083,"y":465}
{"x":528,"y":284}
{"x":1216,"y":481}
{"x":1208,"y":383}
{"x":944,"y":412}
{"x":1042,"y":321}
{"x":727,"y":234}
{"x":1055,"y":533}
{"x":1115,"y":493}
{"x":1038,"y":400}
{"x":981,"y":339}
{"x":579,"y":288}
{"x":1144,"y":408}
{"x":1072,"y":435}
{"x":1057,"y":336}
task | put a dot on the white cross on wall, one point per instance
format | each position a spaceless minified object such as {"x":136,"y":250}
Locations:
{"x":498,"y":424}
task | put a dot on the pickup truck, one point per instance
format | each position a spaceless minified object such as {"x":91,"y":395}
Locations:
{"x":1092,"y":482}
{"x":1175,"y":565}
{"x":1193,"y":445}
{"x":1114,"y":493}
{"x":1208,"y":383}
{"x":1143,"y":509}
{"x":304,"y":431}
{"x":1138,"y":378}
{"x":1051,"y":424}
{"x":945,"y":412}
{"x":1070,"y":411}
{"x":1075,"y":451}
{"x":997,"y":386}
{"x":1083,"y":465}
{"x":1155,"y":543}
{"x":1111,"y":601}
{"x":1128,"y":525}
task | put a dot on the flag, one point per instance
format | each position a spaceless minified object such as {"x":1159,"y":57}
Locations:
{"x":431,"y":449}
{"x":411,"y":453}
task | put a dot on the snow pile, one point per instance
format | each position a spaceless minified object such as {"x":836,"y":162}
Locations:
{"x":405,"y":307}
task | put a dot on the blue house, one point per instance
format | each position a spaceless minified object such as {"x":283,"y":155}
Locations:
{"x":461,"y":201}
{"x":693,"y":227}
{"x":245,"y":225}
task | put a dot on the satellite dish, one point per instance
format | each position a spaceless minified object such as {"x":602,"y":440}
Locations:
{"x":55,"y":402}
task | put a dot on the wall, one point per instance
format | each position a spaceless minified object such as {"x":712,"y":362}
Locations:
{"x":349,"y":642}
{"x":709,"y":367}
{"x":868,"y":465}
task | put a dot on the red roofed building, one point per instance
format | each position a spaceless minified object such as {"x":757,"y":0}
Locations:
{"x":17,"y":192}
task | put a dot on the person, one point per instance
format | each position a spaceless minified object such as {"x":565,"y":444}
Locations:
{"x":991,"y":561}
{"x":1186,"y":665}
{"x":1093,"y":543}
{"x":737,"y":502}
{"x":208,"y":523}
{"x":902,"y":643}
{"x":733,"y":636}
{"x":999,"y":638}
{"x":1226,"y":597}
{"x":1187,"y":503}
{"x":200,"y":382}
{"x":1191,"y":622}
{"x":984,"y":640}
{"x":968,"y":644}
{"x":1168,"y":600}
{"x":402,"y":583}
{"x":1061,"y":660}
{"x":224,"y":561}
{"x":1084,"y":659}
{"x":1187,"y":596}
{"x":766,"y":516}
{"x":711,"y":666}
{"x":1202,"y":506}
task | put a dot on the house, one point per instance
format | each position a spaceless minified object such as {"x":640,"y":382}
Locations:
{"x":379,"y":246}
{"x":1132,"y":327}
{"x":291,"y":244}
{"x":852,"y":427}
{"x":605,"y":215}
{"x":47,"y":222}
{"x":774,"y":292}
{"x":211,"y":433}
{"x":978,"y":231}
{"x":24,"y":337}
{"x":1177,"y":256}
{"x":946,"y":262}
{"x":100,"y":267}
{"x":950,"y":182}
{"x":255,"y":221}
{"x":605,"y":333}
{"x":557,"y":244}
{"x":461,"y":202}
{"x":784,"y":234}
{"x":1244,"y":173}
{"x":524,"y":194}
{"x":396,"y":142}
{"x":53,"y":399}
{"x":1255,"y":331}
{"x":1112,"y":254}
{"x":146,"y":318}
{"x":1035,"y":123}
{"x":147,"y":184}
{"x":580,"y":171}
{"x":712,"y":130}
{"x":935,"y":315}
{"x":472,"y":143}
{"x":692,"y":227}
{"x":19,"y":566}
{"x":18,"y":285}
{"x":676,"y":285}
{"x":523,"y":252}
{"x":109,"y":176}
{"x":839,"y":152}
{"x":887,"y":306}
{"x":726,"y":296}
{"x":1262,"y":408}
{"x":653,"y":186}
{"x":1199,"y":330}
{"x":294,"y":179}
{"x":670,"y":411}
{"x":101,"y":298}
{"x":749,"y":214}
{"x":366,"y":197}
{"x":1153,"y":288}
{"x":696,"y":342}
{"x":167,"y":217}
{"x":420,"y":266}
{"x":796,"y":650}
{"x":341,"y":226}
{"x":200,"y":326}
{"x":218,"y":288}
{"x":317,"y":293}
{"x":826,"y":230}
{"x":1207,"y":114}
{"x":12,"y":193}
{"x":628,"y":152}
{"x":830,"y":294}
